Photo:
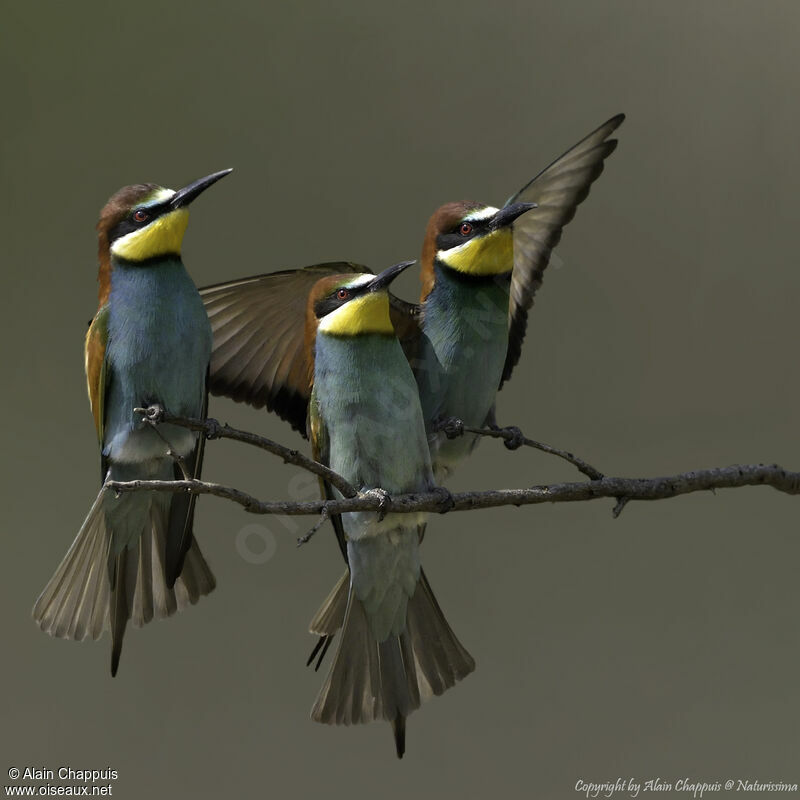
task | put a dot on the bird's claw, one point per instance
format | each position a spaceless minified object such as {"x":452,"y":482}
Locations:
{"x":513,"y":438}
{"x":447,"y":501}
{"x":384,"y":501}
{"x":152,"y":414}
{"x":452,"y":427}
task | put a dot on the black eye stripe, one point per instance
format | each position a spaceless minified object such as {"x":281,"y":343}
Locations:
{"x":454,"y":237}
{"x":129,"y":224}
{"x":332,"y":302}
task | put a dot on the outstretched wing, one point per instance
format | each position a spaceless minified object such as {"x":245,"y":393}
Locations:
{"x":258,"y":323}
{"x":259,"y":327}
{"x":96,"y":374}
{"x":558,"y":191}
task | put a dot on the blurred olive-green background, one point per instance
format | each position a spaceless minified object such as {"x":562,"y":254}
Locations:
{"x":663,"y":644}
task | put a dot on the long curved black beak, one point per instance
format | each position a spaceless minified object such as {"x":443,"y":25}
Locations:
{"x":505,"y":216}
{"x":185,"y":196}
{"x":383,"y":279}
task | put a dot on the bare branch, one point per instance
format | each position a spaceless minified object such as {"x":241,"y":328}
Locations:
{"x":631,"y":488}
{"x":213,"y":430}
{"x":441,"y":500}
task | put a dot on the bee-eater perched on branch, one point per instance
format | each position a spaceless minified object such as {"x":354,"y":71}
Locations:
{"x":481,"y":267}
{"x":135,"y":557}
{"x":365,"y":423}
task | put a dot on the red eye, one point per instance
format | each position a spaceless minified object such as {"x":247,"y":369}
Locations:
{"x":140,"y":216}
{"x":343,"y":294}
{"x":465,"y":229}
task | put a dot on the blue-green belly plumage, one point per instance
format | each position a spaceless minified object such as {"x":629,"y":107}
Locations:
{"x":464,"y":346}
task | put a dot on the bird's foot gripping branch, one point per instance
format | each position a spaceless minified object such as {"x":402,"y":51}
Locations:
{"x":623,"y":490}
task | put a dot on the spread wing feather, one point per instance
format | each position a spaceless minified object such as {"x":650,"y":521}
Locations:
{"x":558,"y":190}
{"x":258,"y":323}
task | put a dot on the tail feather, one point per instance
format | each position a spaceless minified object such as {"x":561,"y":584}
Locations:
{"x":180,"y":531}
{"x":441,"y":659}
{"x":399,"y":731}
{"x":74,"y":604}
{"x":330,"y":616}
{"x":321,"y":647}
{"x":87,"y":617}
{"x":143,"y":607}
{"x":120,"y":610}
{"x":329,"y":619}
{"x":196,"y":578}
{"x":153,"y":599}
{"x":387,"y":680}
{"x":94,"y":589}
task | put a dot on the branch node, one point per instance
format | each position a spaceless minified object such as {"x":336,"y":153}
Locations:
{"x":621,"y":503}
{"x":447,"y":501}
{"x":180,"y":462}
{"x":213,"y":429}
{"x":512,"y":437}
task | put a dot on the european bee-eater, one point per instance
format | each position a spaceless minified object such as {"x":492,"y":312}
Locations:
{"x":365,"y":422}
{"x":135,"y":556}
{"x":481,"y":267}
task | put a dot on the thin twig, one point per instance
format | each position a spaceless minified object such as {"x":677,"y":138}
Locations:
{"x":152,"y":416}
{"x":514,"y":438}
{"x":323,"y":517}
{"x":214,"y":430}
{"x":621,"y":503}
{"x":633,"y":488}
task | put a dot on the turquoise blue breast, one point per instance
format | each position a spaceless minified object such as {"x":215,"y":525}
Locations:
{"x":159,"y":345}
{"x":366,"y":394}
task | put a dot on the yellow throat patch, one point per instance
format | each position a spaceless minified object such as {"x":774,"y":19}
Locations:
{"x":366,"y":314}
{"x":161,"y":237}
{"x":492,"y":254}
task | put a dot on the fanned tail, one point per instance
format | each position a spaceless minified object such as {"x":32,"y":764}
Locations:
{"x":95,"y":589}
{"x":387,"y":680}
